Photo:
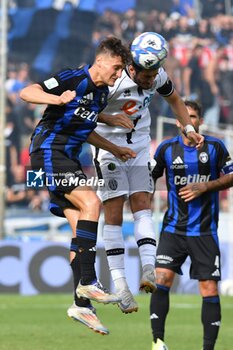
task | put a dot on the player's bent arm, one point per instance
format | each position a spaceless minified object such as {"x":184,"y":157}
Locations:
{"x":180,"y":110}
{"x":35,"y":94}
{"x":116,"y":120}
{"x":123,"y":153}
{"x":195,"y":190}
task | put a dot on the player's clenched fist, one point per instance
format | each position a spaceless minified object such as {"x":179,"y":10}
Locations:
{"x":66,"y":97}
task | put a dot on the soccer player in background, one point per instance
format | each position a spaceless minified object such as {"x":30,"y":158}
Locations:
{"x":190,"y":224}
{"x":75,"y":97}
{"x":129,"y":99}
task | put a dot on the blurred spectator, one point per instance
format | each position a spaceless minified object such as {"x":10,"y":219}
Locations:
{"x":183,"y":7}
{"x":211,"y":8}
{"x":220,"y":76}
{"x":11,"y":144}
{"x":20,"y":81}
{"x":195,"y":84}
{"x":131,"y":26}
{"x":16,"y":193}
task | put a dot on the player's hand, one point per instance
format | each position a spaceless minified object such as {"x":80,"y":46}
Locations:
{"x":124,"y":153}
{"x":192,"y":191}
{"x":66,"y":97}
{"x":196,"y":139}
{"x":120,"y":120}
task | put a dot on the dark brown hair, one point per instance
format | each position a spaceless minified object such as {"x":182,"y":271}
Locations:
{"x":194,"y":105}
{"x":115,"y":47}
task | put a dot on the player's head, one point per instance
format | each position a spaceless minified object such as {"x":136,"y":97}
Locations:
{"x":195,"y":113}
{"x":149,"y":51}
{"x":110,"y":59}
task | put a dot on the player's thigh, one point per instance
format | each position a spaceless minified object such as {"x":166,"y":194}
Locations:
{"x":171,"y":252}
{"x":205,"y":257}
{"x":114,"y":174}
{"x":86,"y":200}
{"x":140,"y":173}
{"x":62,"y":174}
{"x":113,"y":210}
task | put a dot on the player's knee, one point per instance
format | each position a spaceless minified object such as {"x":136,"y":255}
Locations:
{"x":208,"y":288}
{"x":140,"y":201}
{"x":92,"y":202}
{"x":113,"y":218}
{"x":113,"y":212}
{"x":164,"y":278}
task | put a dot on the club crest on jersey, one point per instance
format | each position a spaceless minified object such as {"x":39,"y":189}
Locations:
{"x":113,"y":184}
{"x":203,"y":157}
{"x":127,"y":93}
{"x":103,"y":98}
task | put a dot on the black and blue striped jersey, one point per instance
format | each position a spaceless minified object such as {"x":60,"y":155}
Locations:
{"x":66,"y":127}
{"x":183,"y":165}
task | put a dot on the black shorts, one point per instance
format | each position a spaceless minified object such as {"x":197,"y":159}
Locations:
{"x":61,"y":175}
{"x":203,"y":251}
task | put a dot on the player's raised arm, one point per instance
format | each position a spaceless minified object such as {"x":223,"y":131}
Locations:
{"x":179,"y":109}
{"x":123,"y":153}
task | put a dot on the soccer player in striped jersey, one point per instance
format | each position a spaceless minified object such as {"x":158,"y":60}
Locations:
{"x":129,"y":99}
{"x":190,"y":224}
{"x":75,"y":97}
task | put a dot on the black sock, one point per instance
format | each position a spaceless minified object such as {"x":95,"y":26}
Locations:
{"x":211,"y":318}
{"x":86,"y":240}
{"x":159,"y":307}
{"x":75,"y":266}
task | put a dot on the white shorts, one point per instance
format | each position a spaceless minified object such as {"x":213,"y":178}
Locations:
{"x":124,"y":178}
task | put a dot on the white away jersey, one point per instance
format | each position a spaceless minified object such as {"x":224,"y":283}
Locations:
{"x":126,"y":97}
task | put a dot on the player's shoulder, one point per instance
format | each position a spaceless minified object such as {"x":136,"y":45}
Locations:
{"x":213,"y":140}
{"x":167,"y":143}
{"x":67,"y":72}
{"x":161,"y":78}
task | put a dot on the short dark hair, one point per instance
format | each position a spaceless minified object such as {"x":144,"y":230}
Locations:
{"x":194,"y":105}
{"x":115,"y":47}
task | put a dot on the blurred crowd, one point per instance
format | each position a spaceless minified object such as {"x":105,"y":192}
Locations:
{"x":200,"y":63}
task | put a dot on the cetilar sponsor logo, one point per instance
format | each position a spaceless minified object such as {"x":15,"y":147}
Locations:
{"x":184,"y":180}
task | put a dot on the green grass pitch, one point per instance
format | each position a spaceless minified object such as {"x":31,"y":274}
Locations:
{"x":40,"y":323}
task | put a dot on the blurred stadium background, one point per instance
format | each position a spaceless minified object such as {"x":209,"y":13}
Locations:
{"x":38,"y":37}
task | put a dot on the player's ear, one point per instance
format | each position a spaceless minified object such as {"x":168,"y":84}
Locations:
{"x":98,"y":60}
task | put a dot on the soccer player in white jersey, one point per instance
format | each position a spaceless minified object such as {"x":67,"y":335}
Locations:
{"x":128,"y":104}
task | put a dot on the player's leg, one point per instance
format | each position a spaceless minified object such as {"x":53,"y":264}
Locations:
{"x":81,"y":310}
{"x":113,"y":196}
{"x":206,"y":267}
{"x":171,"y":253}
{"x":140,"y":203}
{"x":86,"y":233}
{"x":159,"y":306}
{"x":210,"y":313}
{"x":72,"y":216}
{"x":115,"y":249}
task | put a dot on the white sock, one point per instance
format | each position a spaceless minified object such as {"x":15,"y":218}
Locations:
{"x":145,"y":236}
{"x":115,"y":247}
